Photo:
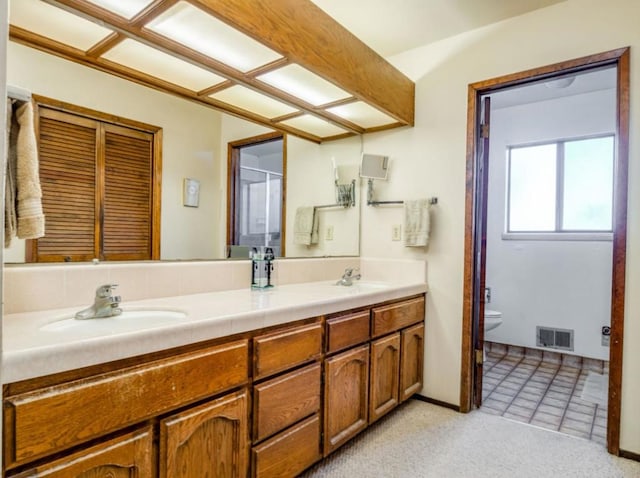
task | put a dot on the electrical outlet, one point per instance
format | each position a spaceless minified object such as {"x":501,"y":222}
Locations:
{"x":329,"y":233}
{"x":396,"y":232}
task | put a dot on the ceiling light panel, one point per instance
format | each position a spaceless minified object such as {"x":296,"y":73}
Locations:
{"x":303,"y":84}
{"x":315,"y":126}
{"x":202,"y":32}
{"x":250,"y":100}
{"x":127,"y":9}
{"x":362,"y":114}
{"x":141,"y":57}
{"x":56,"y":24}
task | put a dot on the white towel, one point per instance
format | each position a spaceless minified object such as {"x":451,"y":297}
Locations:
{"x":10,"y":218}
{"x":305,"y":226}
{"x":416,"y":223}
{"x":29,"y":196}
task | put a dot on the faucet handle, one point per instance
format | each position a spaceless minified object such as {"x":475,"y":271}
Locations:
{"x":105,"y":290}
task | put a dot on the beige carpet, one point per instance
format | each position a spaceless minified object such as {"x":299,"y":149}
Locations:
{"x":424,"y":440}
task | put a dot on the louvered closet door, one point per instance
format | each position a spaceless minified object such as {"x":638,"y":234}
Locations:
{"x":68,"y":179}
{"x":128,"y":170}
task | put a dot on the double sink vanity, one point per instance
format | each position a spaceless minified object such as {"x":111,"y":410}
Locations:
{"x":225,"y":383}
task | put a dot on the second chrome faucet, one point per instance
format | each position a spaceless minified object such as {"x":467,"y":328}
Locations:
{"x":348,"y":277}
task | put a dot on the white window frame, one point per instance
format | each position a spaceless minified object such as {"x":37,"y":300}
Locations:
{"x":558,"y":234}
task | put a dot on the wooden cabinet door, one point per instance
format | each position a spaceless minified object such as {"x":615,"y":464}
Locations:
{"x":208,"y":440}
{"x":346,"y":396}
{"x":127,"y":456}
{"x":384,"y":379}
{"x":411,"y":361}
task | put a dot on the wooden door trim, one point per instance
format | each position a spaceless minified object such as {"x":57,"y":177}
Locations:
{"x":619,"y":57}
{"x":232,"y":159}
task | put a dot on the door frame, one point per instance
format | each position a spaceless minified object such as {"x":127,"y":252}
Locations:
{"x":619,"y":58}
{"x":233,"y":157}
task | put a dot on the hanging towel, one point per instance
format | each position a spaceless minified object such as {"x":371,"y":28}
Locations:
{"x":10,"y":219}
{"x":305,"y":226}
{"x":416,"y":223}
{"x":29,"y":193}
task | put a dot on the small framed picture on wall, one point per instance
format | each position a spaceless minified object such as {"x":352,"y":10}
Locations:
{"x":190,"y":192}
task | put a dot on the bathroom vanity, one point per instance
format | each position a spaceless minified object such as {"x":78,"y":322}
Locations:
{"x":268,"y":401}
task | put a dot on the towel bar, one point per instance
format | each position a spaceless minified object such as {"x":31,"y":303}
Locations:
{"x":433,"y":200}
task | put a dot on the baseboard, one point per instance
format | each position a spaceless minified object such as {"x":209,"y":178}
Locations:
{"x":630,"y":455}
{"x":433,"y":401}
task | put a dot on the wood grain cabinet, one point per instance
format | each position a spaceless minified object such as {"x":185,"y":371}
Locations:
{"x":123,"y":457}
{"x":411,"y":361}
{"x":384,"y":377}
{"x":267,"y":403}
{"x":286,"y":406}
{"x":346,"y":394}
{"x":208,"y":440}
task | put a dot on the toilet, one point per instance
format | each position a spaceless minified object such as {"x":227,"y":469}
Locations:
{"x":492,"y":319}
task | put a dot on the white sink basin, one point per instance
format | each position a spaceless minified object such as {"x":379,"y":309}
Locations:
{"x":128,"y":320}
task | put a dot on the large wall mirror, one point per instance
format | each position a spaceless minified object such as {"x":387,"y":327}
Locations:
{"x":195,"y":145}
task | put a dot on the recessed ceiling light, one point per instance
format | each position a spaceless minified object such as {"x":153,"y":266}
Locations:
{"x":303,"y":84}
{"x":206,"y":34}
{"x":560,"y":82}
{"x":141,"y":57}
{"x":56,"y":24}
{"x":362,"y":114}
{"x":251,"y":100}
{"x":314,"y":125}
{"x":128,"y":9}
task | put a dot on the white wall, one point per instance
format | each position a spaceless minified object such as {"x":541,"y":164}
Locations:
{"x":191,"y":138}
{"x":563,"y":284}
{"x":429,"y":159}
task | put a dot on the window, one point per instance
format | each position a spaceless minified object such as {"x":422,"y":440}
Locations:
{"x":256,"y":195}
{"x":561,"y":187}
{"x":99,"y":191}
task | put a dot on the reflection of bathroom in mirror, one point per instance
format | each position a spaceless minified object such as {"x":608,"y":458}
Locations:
{"x":374,"y":166}
{"x":195,"y":145}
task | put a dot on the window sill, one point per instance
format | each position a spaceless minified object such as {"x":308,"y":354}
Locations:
{"x":557,"y":236}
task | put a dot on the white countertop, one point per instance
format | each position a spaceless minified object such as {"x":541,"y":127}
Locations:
{"x":33,"y":346}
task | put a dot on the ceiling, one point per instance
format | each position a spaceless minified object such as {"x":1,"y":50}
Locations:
{"x":394,"y":26}
{"x":310,"y":76}
{"x":568,"y":85}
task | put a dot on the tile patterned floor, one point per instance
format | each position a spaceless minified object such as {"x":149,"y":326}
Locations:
{"x":543,"y":389}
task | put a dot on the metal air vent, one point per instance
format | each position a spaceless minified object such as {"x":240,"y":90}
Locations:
{"x":561,"y":339}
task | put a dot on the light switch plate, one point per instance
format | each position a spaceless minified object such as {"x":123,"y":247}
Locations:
{"x":329,"y":233}
{"x":396,"y":232}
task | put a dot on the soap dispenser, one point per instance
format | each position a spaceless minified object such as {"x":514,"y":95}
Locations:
{"x":261,"y":267}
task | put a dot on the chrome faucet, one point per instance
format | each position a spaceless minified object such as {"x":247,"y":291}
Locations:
{"x":105,"y":304}
{"x":348,"y":277}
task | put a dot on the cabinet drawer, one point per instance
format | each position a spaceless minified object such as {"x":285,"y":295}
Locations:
{"x":291,"y":452}
{"x":54,"y":418}
{"x":128,"y":455}
{"x":392,"y":317}
{"x":282,"y":401}
{"x":346,"y":331}
{"x":286,"y":348}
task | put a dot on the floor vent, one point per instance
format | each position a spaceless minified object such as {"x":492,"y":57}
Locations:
{"x":561,"y":339}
